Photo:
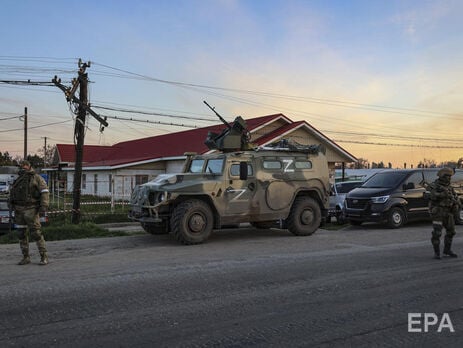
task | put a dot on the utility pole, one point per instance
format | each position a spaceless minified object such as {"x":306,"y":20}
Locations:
{"x":79,"y":129}
{"x":45,"y":152}
{"x":25,"y":133}
{"x":79,"y":134}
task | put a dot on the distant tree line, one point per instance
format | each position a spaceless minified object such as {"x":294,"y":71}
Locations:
{"x":42,"y":159}
{"x":425,"y":163}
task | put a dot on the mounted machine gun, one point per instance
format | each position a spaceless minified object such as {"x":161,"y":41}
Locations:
{"x":235,"y":137}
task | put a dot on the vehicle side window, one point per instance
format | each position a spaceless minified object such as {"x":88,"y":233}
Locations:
{"x":214,"y":166}
{"x":430,"y":176}
{"x":416,"y":179}
{"x":272,"y":164}
{"x":196,"y":166}
{"x":303,"y":165}
{"x":457,"y":179}
{"x":235,"y":170}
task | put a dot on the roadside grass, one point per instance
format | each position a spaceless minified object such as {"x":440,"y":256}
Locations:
{"x":64,"y":231}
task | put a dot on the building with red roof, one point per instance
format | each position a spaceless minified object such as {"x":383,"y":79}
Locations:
{"x":115,"y":170}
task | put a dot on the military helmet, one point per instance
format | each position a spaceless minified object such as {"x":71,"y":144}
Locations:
{"x":445,"y":171}
{"x":24,"y":163}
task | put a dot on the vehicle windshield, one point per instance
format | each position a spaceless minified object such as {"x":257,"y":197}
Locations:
{"x":345,"y":187}
{"x":384,"y":180}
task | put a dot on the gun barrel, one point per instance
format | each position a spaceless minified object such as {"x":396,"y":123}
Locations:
{"x":218,"y":115}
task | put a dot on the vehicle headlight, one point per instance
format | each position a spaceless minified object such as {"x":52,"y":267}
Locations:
{"x":380,"y":199}
{"x":163,"y":196}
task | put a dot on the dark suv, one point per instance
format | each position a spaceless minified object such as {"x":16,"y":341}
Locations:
{"x":396,"y":196}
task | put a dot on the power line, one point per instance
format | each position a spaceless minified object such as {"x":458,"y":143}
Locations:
{"x":403,"y":145}
{"x":43,"y":125}
{"x":332,"y":102}
{"x":152,"y":122}
{"x":152,"y":113}
{"x":9,"y":118}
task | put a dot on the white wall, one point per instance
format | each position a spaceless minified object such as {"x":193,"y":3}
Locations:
{"x":123,"y":180}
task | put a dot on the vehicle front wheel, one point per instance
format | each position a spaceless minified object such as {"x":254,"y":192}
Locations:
{"x":192,"y":222}
{"x":305,"y":216}
{"x":396,"y":218}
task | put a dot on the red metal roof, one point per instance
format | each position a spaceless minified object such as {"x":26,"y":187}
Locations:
{"x":167,"y":145}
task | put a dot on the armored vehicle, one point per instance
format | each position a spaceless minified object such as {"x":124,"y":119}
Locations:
{"x":284,"y":185}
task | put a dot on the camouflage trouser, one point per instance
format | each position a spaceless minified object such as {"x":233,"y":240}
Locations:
{"x":29,"y":218}
{"x":442,"y":218}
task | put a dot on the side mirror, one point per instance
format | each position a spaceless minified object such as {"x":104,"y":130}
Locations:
{"x":243,"y":170}
{"x":409,"y":186}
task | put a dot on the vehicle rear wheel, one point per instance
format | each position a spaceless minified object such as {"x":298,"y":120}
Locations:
{"x":396,"y":218}
{"x":192,"y":222}
{"x":340,"y":217}
{"x":154,"y":228}
{"x":305,"y":216}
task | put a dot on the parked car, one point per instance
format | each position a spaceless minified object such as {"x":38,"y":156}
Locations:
{"x":4,"y":187}
{"x":396,"y":196}
{"x":337,"y":196}
{"x":5,"y":217}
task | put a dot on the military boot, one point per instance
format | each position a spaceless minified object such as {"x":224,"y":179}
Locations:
{"x":25,"y":260}
{"x":43,"y":259}
{"x":448,"y":251}
{"x":24,"y":245}
{"x":436,"y":251}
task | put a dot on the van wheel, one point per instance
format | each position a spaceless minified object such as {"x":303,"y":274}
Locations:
{"x":395,"y":218}
{"x":305,"y":217}
{"x":192,"y":222}
{"x":459,"y":217}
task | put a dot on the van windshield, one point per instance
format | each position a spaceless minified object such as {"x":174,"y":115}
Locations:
{"x":385,"y":180}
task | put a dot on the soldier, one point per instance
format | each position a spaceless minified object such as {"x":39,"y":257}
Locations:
{"x":29,"y":196}
{"x":442,"y":206}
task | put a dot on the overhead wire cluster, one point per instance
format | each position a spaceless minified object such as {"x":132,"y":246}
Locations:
{"x":44,"y":67}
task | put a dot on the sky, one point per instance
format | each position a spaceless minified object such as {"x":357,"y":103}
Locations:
{"x":383,"y":79}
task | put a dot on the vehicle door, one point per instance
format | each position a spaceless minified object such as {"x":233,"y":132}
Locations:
{"x":236,"y":198}
{"x":413,"y":192}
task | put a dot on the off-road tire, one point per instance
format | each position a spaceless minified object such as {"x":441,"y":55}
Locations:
{"x":305,"y":216}
{"x":155,"y":229}
{"x":192,"y":222}
{"x":395,"y":218}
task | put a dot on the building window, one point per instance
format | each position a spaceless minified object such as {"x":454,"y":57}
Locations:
{"x":95,"y":183}
{"x":110,"y":182}
{"x":84,"y":181}
{"x":141,"y":179}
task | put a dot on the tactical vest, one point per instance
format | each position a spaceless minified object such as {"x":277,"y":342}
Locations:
{"x":21,"y":191}
{"x":446,"y":202}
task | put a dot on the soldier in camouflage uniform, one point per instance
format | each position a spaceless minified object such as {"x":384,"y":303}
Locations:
{"x":29,"y":196}
{"x":442,"y":206}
